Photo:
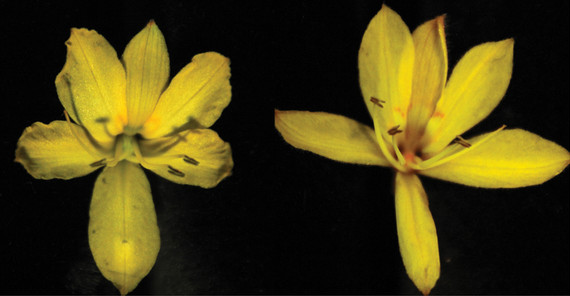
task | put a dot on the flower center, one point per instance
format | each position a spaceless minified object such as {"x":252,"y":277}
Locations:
{"x":405,"y":148}
{"x":125,"y":146}
{"x":131,"y":131}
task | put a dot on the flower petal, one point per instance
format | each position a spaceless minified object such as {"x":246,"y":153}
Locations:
{"x":91,"y":85}
{"x":329,"y":135}
{"x":513,"y":158}
{"x":193,"y":157}
{"x":54,"y":151}
{"x":477,"y":84}
{"x":123,"y":233}
{"x":147,"y":68}
{"x":430,"y":73}
{"x":385,"y":63}
{"x":416,"y":232}
{"x":194,"y":99}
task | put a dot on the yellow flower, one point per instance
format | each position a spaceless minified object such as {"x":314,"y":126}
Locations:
{"x":418,"y":119}
{"x":127,"y":114}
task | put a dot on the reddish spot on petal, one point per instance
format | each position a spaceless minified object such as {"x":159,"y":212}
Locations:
{"x":438,"y":114}
{"x":399,"y":110}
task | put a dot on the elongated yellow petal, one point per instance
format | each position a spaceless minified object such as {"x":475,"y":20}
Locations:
{"x":91,"y":85}
{"x":385,"y":63}
{"x":54,"y":151}
{"x":195,"y":98}
{"x":416,"y":232}
{"x":430,"y":74}
{"x":512,"y":158}
{"x":123,"y":234}
{"x":477,"y":84}
{"x":147,"y":68}
{"x":329,"y":135}
{"x":193,"y":157}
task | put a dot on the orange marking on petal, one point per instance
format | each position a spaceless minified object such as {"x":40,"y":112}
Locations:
{"x":438,"y":114}
{"x":399,"y":110}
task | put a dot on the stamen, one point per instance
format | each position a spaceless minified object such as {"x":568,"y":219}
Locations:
{"x":86,"y":147}
{"x":453,"y":151}
{"x":171,"y":169}
{"x":459,"y":140}
{"x":397,"y":151}
{"x":98,"y":163}
{"x":175,"y":172}
{"x":138,"y":155}
{"x":377,"y":102}
{"x":190,"y":160}
{"x":394,"y":130}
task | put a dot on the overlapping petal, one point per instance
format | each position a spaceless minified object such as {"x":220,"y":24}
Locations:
{"x":91,"y":85}
{"x":123,"y":233}
{"x":416,"y":232}
{"x":385,"y":63}
{"x":512,"y":158}
{"x":55,"y":151}
{"x":329,"y":135}
{"x":430,"y":74}
{"x":193,"y":157}
{"x":477,"y":84}
{"x":195,"y":97}
{"x":147,"y":68}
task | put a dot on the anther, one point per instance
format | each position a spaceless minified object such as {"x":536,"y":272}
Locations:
{"x":394,"y":130}
{"x":175,"y":172}
{"x":377,"y":102}
{"x":190,"y":160}
{"x":459,"y":140}
{"x":98,"y":163}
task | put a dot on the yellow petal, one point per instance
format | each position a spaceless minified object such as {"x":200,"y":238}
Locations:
{"x":512,"y":158}
{"x":195,"y":98}
{"x":91,"y":85}
{"x":193,"y":157}
{"x":430,"y":73}
{"x":147,"y":68}
{"x":385,"y":63}
{"x":416,"y":232}
{"x":53,"y":151}
{"x":123,"y":234}
{"x":329,"y":135}
{"x":477,"y":84}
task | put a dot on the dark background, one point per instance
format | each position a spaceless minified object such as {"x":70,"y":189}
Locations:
{"x":288,"y":221}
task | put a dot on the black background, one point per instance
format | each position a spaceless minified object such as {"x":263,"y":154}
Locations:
{"x":288,"y":221}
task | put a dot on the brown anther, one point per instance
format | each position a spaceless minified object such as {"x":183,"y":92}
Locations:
{"x":377,"y":102}
{"x":98,"y":163}
{"x":175,"y":172}
{"x":459,"y":140}
{"x":394,"y":130}
{"x":190,"y":160}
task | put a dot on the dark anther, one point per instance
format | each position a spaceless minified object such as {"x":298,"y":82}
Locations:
{"x":98,"y":163}
{"x":377,"y":102}
{"x":394,"y":130}
{"x":459,"y":140}
{"x":190,"y":160}
{"x":175,"y":172}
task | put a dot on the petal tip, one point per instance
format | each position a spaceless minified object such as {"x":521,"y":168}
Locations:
{"x":508,"y":43}
{"x":440,"y":20}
